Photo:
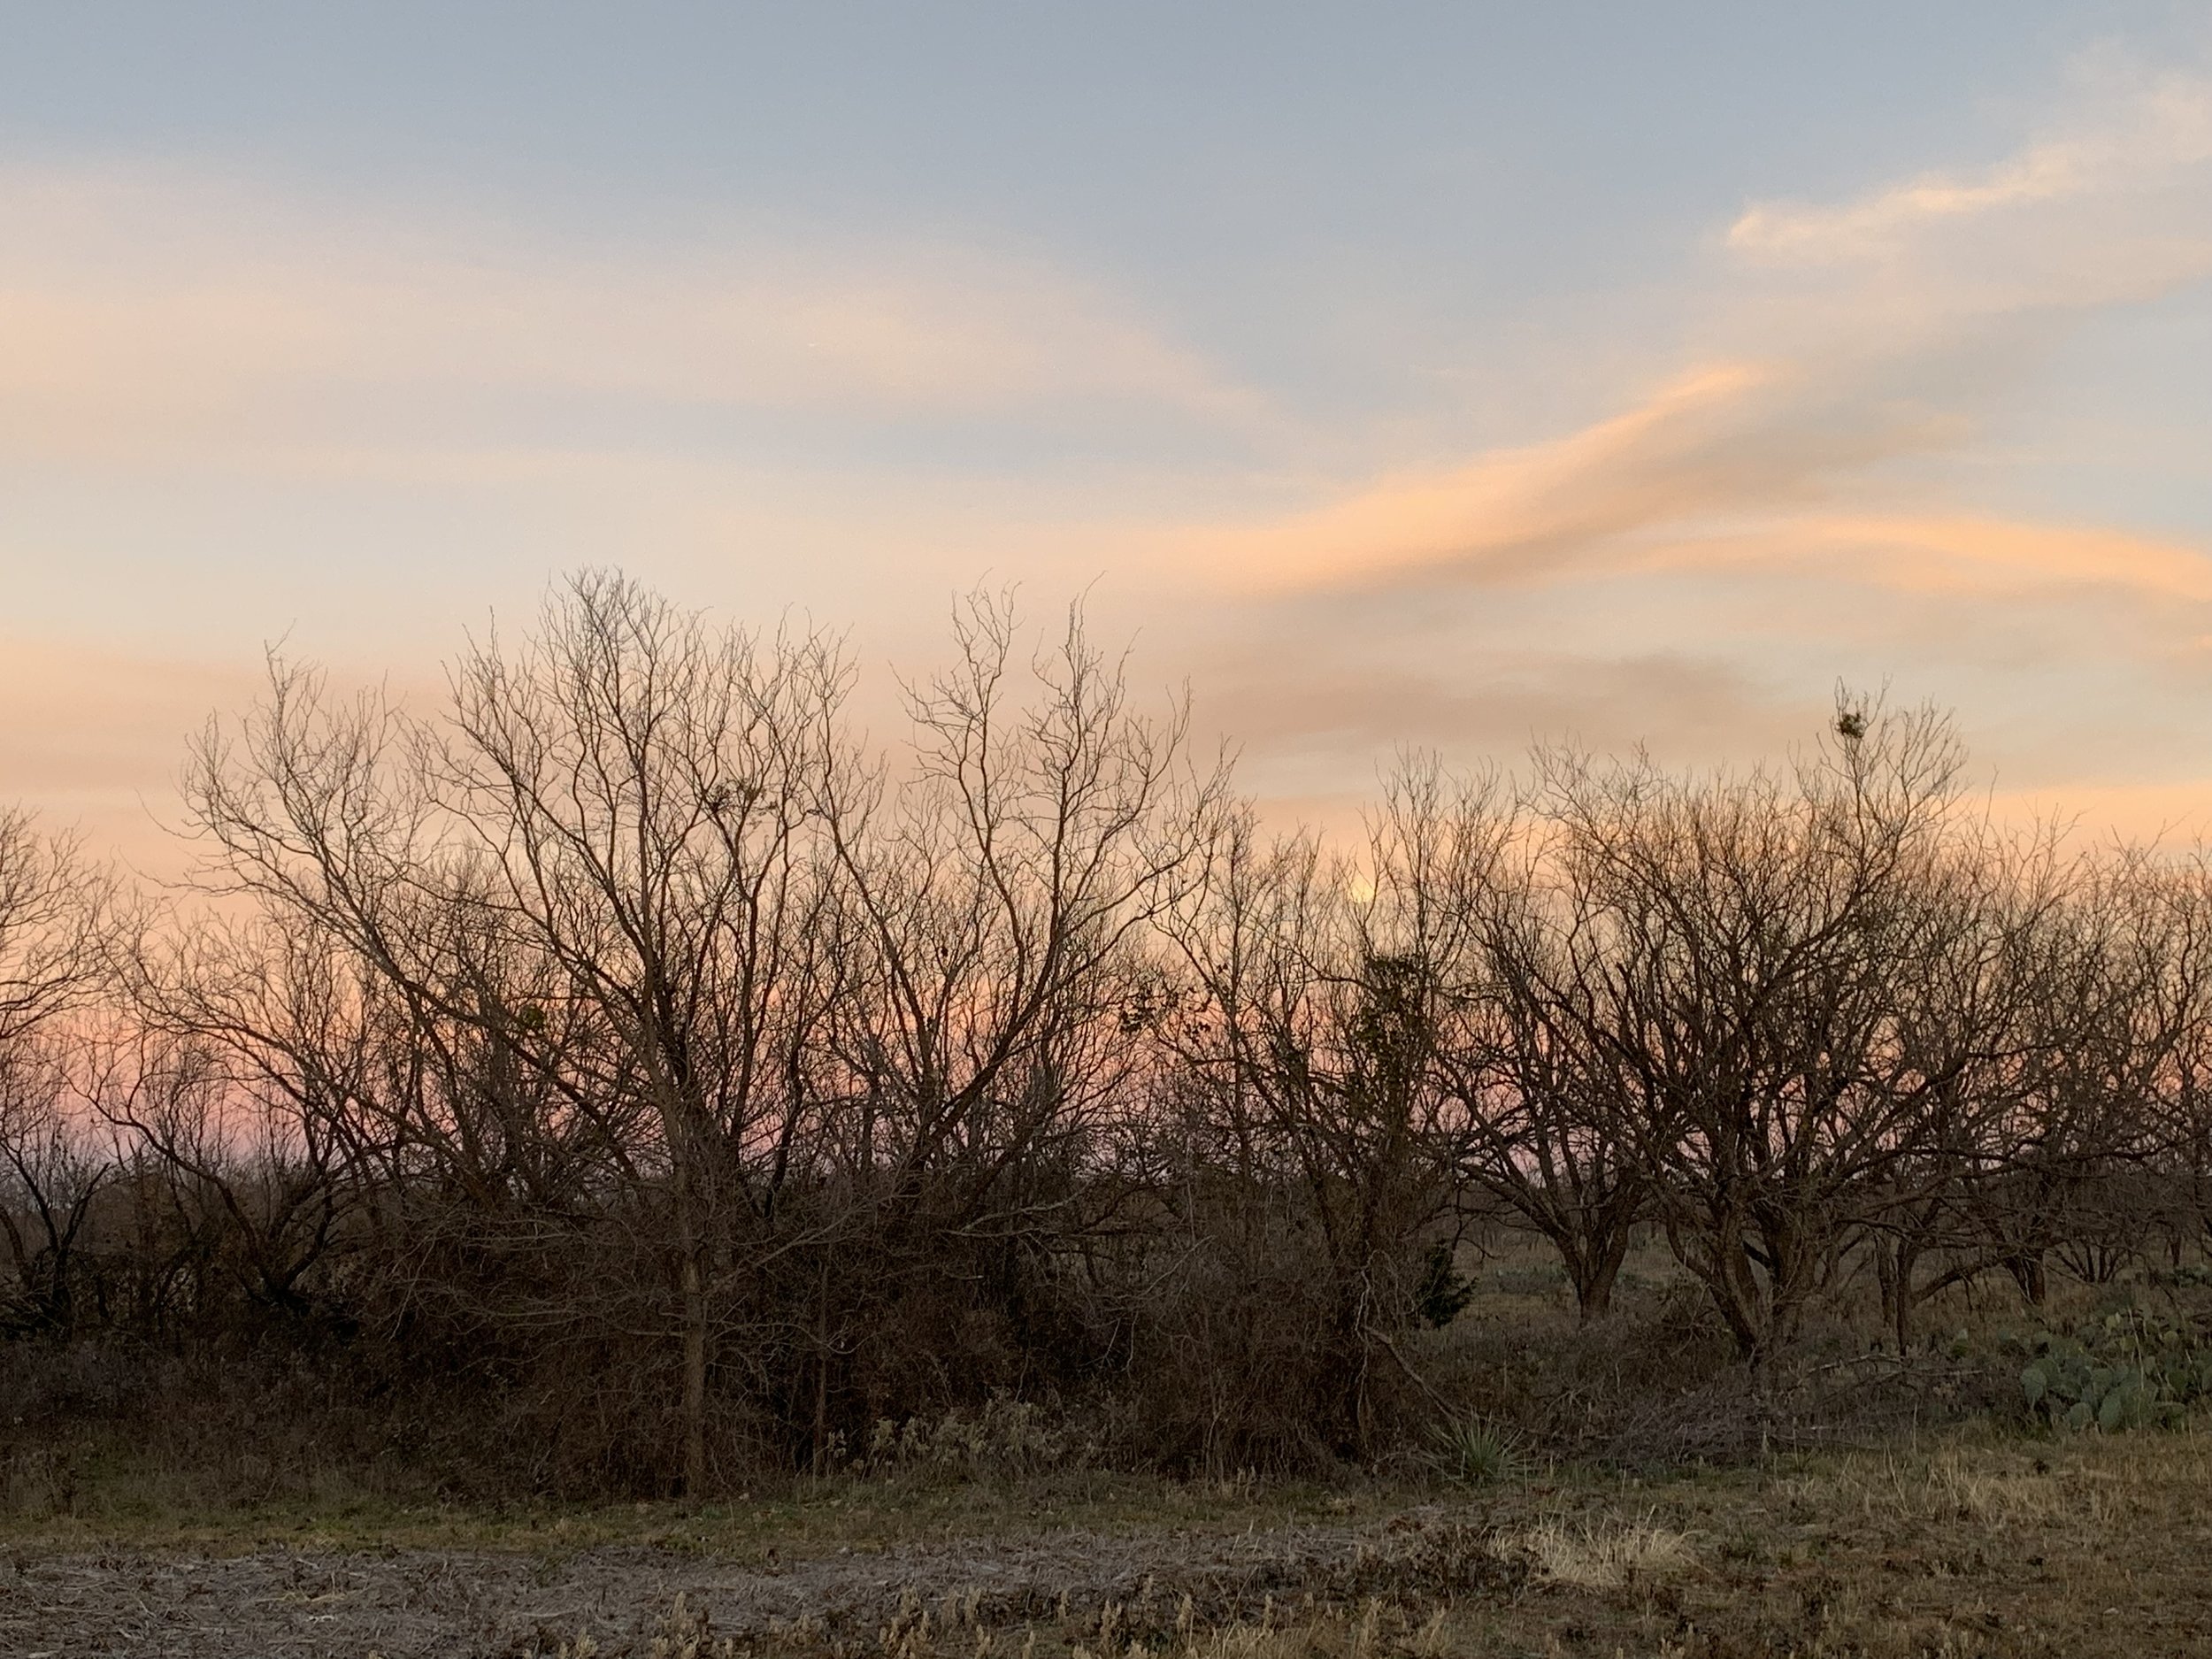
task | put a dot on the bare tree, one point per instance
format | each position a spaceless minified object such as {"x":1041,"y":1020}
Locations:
{"x":1543,"y":1104}
{"x":704,"y":1086}
{"x":59,"y":922}
{"x":625,"y":803}
{"x":1328,"y":989}
{"x":58,"y":918}
{"x":2108,"y":1043}
{"x":1739,"y":956}
{"x":54,"y":1164}
{"x":999,"y":889}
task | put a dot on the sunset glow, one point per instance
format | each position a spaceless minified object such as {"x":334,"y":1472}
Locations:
{"x":1457,"y":379}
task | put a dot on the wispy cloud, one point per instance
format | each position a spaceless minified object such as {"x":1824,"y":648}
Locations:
{"x":1818,"y":387}
{"x":1700,"y":567}
{"x":1722,"y":440}
{"x":2139,"y":134}
{"x":1949,"y":554}
{"x":1773,"y":507}
{"x":170,"y":310}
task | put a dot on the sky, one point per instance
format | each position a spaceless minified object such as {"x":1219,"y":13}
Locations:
{"x":1437,"y":375}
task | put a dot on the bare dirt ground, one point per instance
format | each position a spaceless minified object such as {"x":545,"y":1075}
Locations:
{"x":1980,"y":1545}
{"x":444,"y":1602}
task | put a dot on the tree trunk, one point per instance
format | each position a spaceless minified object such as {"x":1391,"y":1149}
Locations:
{"x":1595,"y":1273}
{"x":2028,"y":1272}
{"x":694,"y":1290}
{"x":1907,"y":1258}
{"x":822,"y":1373}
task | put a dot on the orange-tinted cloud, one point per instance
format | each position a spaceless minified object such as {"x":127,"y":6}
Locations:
{"x":1722,"y":439}
{"x":1961,"y":553}
{"x":1813,"y":388}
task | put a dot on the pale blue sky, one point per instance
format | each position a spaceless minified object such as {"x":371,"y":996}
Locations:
{"x":1450,"y":374}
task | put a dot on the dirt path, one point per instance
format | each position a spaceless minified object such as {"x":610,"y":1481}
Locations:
{"x":445,"y":1603}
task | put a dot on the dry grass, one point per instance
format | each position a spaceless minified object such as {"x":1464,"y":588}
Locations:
{"x":1976,"y":1544}
{"x":1977,"y":1547}
{"x":1606,"y":1554}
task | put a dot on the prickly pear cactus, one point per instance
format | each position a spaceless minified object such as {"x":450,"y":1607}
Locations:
{"x":2130,"y":1370}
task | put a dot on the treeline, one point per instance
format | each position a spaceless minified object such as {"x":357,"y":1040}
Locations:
{"x":630,"y":1058}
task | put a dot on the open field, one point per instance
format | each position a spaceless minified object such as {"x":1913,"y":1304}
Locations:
{"x":1970,"y":1543}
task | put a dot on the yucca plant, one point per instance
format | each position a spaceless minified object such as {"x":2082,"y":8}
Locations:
{"x":1473,"y":1451}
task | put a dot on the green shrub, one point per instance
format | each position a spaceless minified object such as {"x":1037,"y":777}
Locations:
{"x":1443,"y":1290}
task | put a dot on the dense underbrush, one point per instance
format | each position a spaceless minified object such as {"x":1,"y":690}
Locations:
{"x":1513,"y":1388}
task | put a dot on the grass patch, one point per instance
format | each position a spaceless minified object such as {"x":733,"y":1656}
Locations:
{"x":1599,"y":1555}
{"x":1975,"y":1542}
{"x":1978,"y":1545}
{"x":118,"y":1500}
